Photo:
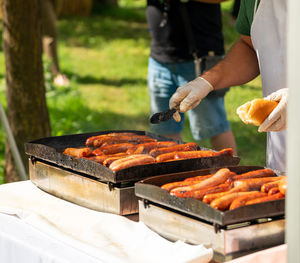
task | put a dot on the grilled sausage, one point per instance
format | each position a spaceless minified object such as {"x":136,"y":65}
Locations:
{"x":131,"y":160}
{"x":108,"y":161}
{"x":115,"y":148}
{"x":180,"y":147}
{"x":89,"y":141}
{"x":198,"y":178}
{"x":208,"y":198}
{"x":198,"y":194}
{"x":97,"y":152}
{"x":170,"y":186}
{"x":165,"y":157}
{"x":147,"y":147}
{"x":101,"y":158}
{"x":241,"y":201}
{"x":283,"y":185}
{"x":265,"y":188}
{"x":255,"y":174}
{"x":122,"y":139}
{"x":256,"y":183}
{"x":265,"y":199}
{"x":273,"y":191}
{"x":78,"y":152}
{"x":218,"y":178}
{"x":200,"y":154}
{"x":224,"y":202}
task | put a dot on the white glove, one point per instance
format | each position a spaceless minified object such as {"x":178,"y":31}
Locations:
{"x":276,"y":121}
{"x":189,"y":96}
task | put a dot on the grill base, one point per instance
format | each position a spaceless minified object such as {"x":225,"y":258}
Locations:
{"x":237,"y":240}
{"x":84,"y":191}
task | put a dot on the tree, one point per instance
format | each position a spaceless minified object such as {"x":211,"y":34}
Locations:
{"x":25,"y":91}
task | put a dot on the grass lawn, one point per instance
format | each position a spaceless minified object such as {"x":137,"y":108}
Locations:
{"x":105,"y":55}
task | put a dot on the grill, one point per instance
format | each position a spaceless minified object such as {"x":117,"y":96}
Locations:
{"x":231,"y":233}
{"x":93,"y":185}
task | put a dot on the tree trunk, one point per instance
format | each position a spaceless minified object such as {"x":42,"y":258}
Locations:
{"x":25,"y":91}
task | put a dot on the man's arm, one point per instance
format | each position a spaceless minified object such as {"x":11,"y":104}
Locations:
{"x":238,"y":67}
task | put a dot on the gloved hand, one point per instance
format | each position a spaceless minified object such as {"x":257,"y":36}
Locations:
{"x":276,"y":121}
{"x":189,"y":96}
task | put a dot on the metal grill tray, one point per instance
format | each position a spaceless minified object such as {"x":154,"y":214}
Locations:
{"x":50,"y":149}
{"x":149,"y":189}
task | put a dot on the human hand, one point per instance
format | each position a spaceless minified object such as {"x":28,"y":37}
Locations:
{"x":276,"y":121}
{"x":189,"y":96}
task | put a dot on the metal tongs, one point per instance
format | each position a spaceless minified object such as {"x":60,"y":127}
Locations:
{"x":162,"y":116}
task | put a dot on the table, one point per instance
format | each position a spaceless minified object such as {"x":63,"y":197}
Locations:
{"x":36,"y":227}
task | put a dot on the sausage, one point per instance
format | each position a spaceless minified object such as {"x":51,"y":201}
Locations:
{"x":108,"y":161}
{"x":101,"y":158}
{"x":131,"y":160}
{"x":208,"y":198}
{"x":89,"y":141}
{"x":115,"y":148}
{"x":265,"y":199}
{"x":273,"y":191}
{"x":256,"y":183}
{"x":202,"y":177}
{"x":185,"y":182}
{"x":283,"y":185}
{"x":198,"y":178}
{"x":97,"y":152}
{"x":200,"y":154}
{"x":241,"y":201}
{"x":224,"y":202}
{"x":165,"y":157}
{"x":255,"y":174}
{"x":147,"y":147}
{"x":170,"y":186}
{"x":78,"y":152}
{"x":218,"y":178}
{"x":179,"y":147}
{"x":102,"y":141}
{"x":265,"y":188}
{"x":198,"y":194}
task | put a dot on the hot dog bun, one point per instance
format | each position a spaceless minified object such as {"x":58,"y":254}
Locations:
{"x":256,"y":111}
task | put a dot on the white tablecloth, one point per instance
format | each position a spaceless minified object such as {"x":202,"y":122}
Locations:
{"x":36,"y":227}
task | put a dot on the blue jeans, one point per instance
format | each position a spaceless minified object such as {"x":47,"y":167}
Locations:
{"x":207,"y":120}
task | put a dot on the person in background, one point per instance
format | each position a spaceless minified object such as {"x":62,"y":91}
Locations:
{"x":186,"y":39}
{"x":261,"y":49}
{"x":49,"y":40}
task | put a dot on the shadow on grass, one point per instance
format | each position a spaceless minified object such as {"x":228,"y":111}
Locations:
{"x":89,"y":79}
{"x":105,"y":25}
{"x":70,"y":115}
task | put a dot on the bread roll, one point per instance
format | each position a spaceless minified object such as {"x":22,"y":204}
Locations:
{"x":256,"y":111}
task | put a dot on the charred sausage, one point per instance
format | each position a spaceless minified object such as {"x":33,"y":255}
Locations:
{"x":179,"y":147}
{"x":78,"y":152}
{"x":256,"y":183}
{"x":208,"y":198}
{"x":265,"y":199}
{"x":198,"y":194}
{"x":218,"y":178}
{"x":131,"y":160}
{"x":255,"y":174}
{"x":224,"y":202}
{"x":241,"y":201}
{"x":147,"y":147}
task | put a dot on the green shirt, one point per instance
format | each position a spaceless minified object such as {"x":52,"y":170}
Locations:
{"x":245,"y":17}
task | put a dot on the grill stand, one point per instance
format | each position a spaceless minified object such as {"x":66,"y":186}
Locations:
{"x":236,"y":241}
{"x":82,"y":190}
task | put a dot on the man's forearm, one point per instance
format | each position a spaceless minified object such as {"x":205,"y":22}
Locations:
{"x":238,"y":67}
